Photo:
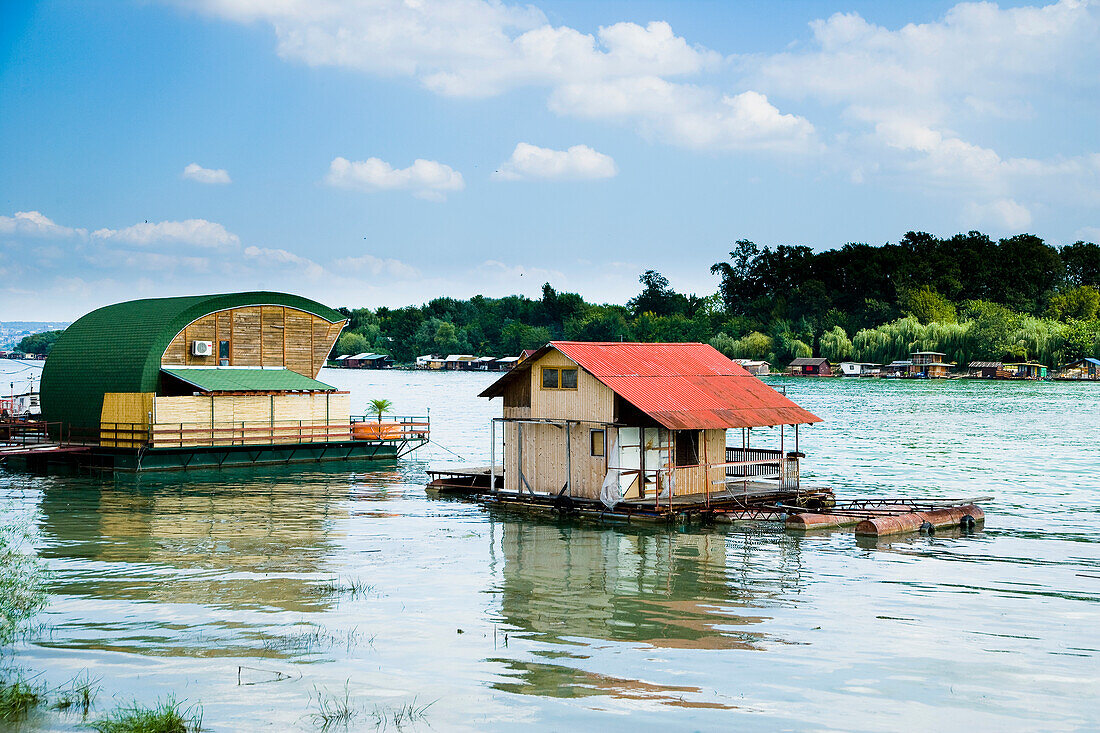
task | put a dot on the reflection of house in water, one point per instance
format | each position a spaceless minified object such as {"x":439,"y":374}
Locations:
{"x":243,"y":539}
{"x":666,"y":589}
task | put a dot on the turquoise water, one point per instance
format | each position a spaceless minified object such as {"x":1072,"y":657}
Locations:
{"x":217,"y":586}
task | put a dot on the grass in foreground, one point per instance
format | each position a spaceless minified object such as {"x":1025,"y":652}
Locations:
{"x":165,"y":717}
{"x":79,"y":694}
{"x":18,"y":698}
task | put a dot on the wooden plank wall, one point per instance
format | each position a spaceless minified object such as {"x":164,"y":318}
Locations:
{"x":712,"y":449}
{"x":258,"y":336}
{"x":123,"y":418}
{"x":255,"y":411}
{"x":592,"y":400}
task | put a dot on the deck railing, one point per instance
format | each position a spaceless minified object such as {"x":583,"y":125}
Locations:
{"x":263,"y":432}
{"x":762,"y":464}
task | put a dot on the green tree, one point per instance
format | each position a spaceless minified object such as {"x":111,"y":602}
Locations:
{"x":835,"y":345}
{"x":1081,"y":303}
{"x":350,"y":343}
{"x":38,"y":343}
{"x":926,"y":305}
{"x":380,"y":406}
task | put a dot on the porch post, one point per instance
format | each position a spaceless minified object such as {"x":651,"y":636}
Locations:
{"x":492,"y":455}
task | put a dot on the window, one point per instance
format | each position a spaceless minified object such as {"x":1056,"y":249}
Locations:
{"x":557,"y":378}
{"x":223,"y":349}
{"x":687,"y":447}
{"x":598,"y":438}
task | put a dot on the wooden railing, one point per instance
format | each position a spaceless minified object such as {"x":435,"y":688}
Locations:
{"x":280,"y":432}
{"x":762,"y":464}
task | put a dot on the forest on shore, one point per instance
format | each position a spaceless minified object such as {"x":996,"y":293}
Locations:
{"x":968,"y":296}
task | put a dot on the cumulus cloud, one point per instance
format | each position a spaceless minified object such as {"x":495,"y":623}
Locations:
{"x":426,"y":179}
{"x":195,"y":232}
{"x":580,"y":162}
{"x":36,"y":224}
{"x":1004,"y":215}
{"x":687,"y":115}
{"x":195,"y":172}
{"x":283,"y":258}
{"x":377,"y":266}
{"x":478,"y":48}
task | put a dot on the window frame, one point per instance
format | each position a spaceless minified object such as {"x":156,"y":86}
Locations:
{"x":592,"y":442}
{"x":557,"y":370}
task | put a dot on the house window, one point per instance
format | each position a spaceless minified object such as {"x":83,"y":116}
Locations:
{"x":557,"y":378}
{"x":598,"y":438}
{"x":687,"y":447}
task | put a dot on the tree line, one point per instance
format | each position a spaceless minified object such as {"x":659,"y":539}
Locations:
{"x":968,"y":296}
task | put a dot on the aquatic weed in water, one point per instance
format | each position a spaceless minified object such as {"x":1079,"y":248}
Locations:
{"x":332,"y":710}
{"x":17,"y":698}
{"x":79,"y":694}
{"x":407,"y":714}
{"x":165,"y":717}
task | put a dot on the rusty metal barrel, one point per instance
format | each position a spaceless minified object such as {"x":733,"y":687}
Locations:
{"x":955,"y":516}
{"x":808,"y":521}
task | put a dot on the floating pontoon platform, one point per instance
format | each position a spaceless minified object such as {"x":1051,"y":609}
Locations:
{"x":800,"y":510}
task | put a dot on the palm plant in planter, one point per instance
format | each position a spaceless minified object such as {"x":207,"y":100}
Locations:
{"x":380,"y":406}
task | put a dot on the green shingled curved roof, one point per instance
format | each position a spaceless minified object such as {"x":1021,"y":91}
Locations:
{"x":118,"y":348}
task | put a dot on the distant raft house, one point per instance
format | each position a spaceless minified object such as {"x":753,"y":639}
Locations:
{"x":987,"y":370}
{"x":921,"y":364}
{"x":814,"y":366}
{"x":209,"y":381}
{"x":1027,"y":370}
{"x":1087,"y":368}
{"x":859,"y":369}
{"x":366,"y":360}
{"x":631,"y":422}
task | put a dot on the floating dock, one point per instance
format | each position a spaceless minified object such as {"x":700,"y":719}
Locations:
{"x":805,"y":510}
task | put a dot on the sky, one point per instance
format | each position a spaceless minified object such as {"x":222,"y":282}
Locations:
{"x":386,"y":152}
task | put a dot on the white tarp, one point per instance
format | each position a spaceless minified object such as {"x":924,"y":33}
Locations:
{"x":610,"y":492}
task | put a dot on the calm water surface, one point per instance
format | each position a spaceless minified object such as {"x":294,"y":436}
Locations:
{"x":217,"y":586}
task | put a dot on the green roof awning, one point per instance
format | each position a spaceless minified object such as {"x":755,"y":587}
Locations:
{"x":248,"y":379}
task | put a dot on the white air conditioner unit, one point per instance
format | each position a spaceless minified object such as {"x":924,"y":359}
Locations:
{"x":202,"y":348}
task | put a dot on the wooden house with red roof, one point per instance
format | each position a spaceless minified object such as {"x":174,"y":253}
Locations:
{"x":634,"y":422}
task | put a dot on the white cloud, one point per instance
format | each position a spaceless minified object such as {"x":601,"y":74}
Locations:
{"x":427,"y":179}
{"x":196,"y":232}
{"x":1004,"y":215}
{"x":146,"y":261}
{"x":195,"y":172}
{"x":377,"y":266}
{"x":283,"y":257}
{"x":35,"y":224}
{"x":530,"y":162}
{"x":691,"y":116}
{"x":477,"y":48}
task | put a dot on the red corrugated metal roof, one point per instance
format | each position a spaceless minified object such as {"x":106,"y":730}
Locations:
{"x":681,"y":386}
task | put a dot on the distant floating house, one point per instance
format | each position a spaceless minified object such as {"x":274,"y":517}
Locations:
{"x":430,"y":361}
{"x":756,"y":368}
{"x":920,"y":364}
{"x":1087,"y":368}
{"x":207,"y":381}
{"x":505,"y":363}
{"x":637,"y":422}
{"x":1027,"y":370}
{"x":987,"y":370}
{"x":859,"y":368}
{"x":812,"y":366}
{"x":460,"y":362}
{"x":368,"y":360}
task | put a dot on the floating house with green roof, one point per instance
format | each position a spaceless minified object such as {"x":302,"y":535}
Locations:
{"x":209,"y":380}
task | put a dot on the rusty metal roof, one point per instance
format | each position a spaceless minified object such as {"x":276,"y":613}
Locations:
{"x":681,"y":386}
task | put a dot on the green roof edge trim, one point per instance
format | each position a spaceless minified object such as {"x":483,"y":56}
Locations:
{"x":247,"y":379}
{"x":117,"y":348}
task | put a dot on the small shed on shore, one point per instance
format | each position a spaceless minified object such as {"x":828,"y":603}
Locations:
{"x":810,"y":366}
{"x":632,"y":420}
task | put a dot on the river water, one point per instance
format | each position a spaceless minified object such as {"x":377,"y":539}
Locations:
{"x":255,"y":592}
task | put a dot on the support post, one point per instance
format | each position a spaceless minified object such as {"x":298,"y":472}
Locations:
{"x":568,"y":460}
{"x":492,"y":455}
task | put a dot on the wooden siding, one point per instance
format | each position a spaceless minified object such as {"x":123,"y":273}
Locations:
{"x":124,"y":420}
{"x":285,"y":412}
{"x":591,"y":400}
{"x":258,"y":336}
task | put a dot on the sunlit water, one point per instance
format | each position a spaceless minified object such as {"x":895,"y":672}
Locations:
{"x":212,"y":585}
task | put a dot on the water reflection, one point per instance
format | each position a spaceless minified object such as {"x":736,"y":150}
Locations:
{"x":574,"y":586}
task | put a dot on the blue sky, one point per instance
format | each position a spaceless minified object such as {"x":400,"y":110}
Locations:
{"x":384,"y":152}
